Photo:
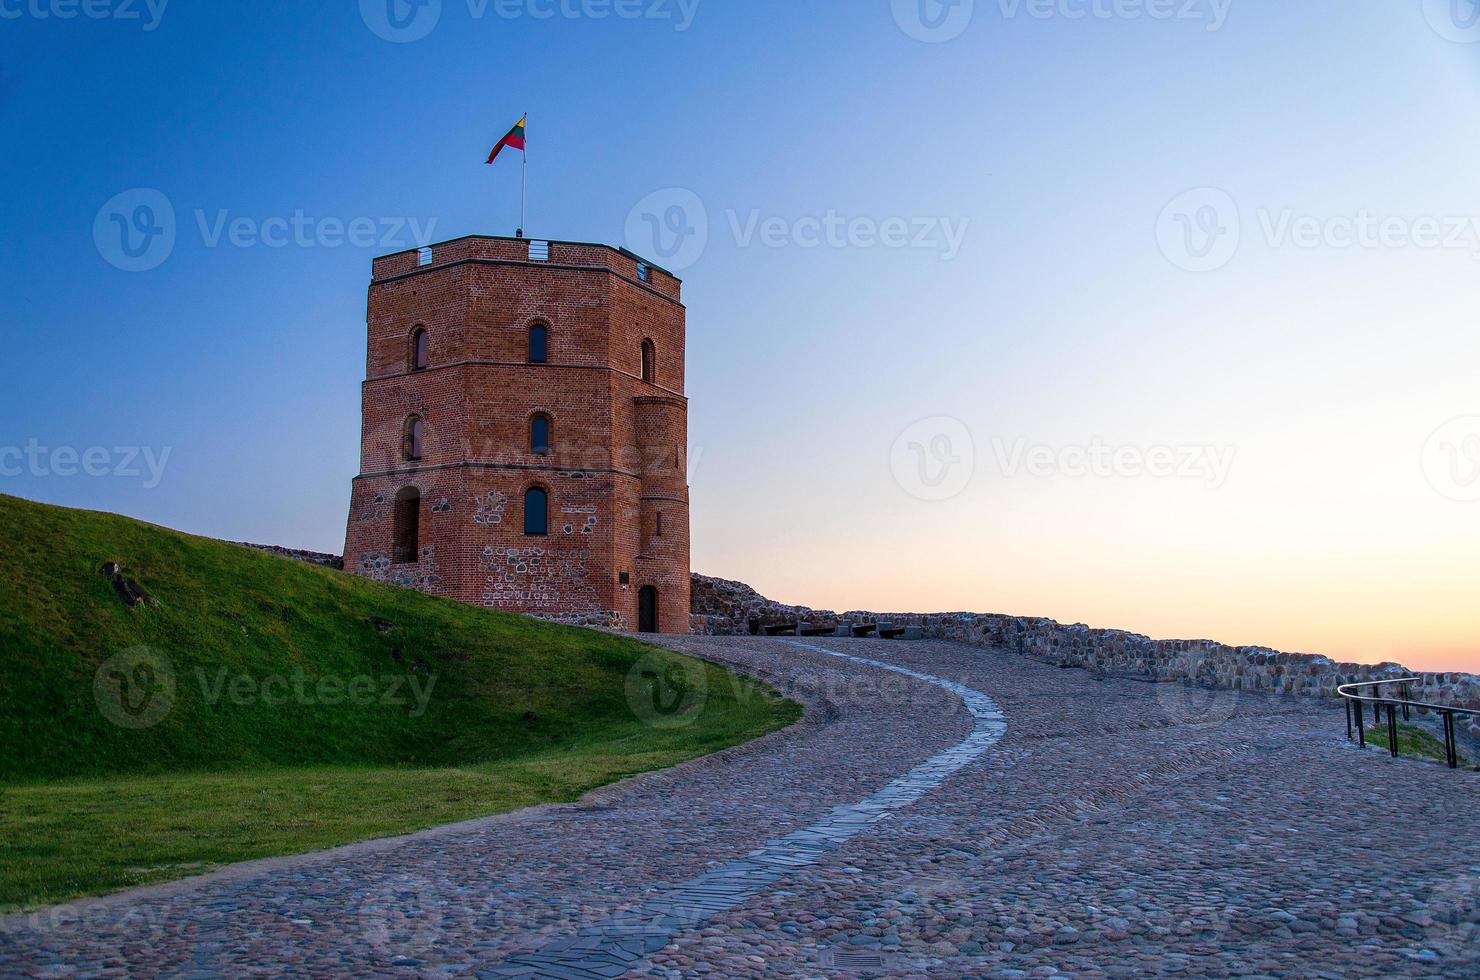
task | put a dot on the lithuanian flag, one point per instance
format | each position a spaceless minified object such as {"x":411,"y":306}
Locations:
{"x":514,"y":139}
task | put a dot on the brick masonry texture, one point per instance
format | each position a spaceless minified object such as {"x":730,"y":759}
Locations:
{"x":617,"y":465}
{"x":724,"y":608}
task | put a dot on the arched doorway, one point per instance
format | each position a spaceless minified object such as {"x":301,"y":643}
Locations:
{"x":647,"y":610}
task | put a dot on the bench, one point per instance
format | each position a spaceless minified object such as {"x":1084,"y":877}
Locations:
{"x":891,"y":632}
{"x":810,"y":630}
{"x":865,"y":630}
{"x":782,"y":629}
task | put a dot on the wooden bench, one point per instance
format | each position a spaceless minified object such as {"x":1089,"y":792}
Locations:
{"x":890,"y":632}
{"x":808,"y":630}
{"x":782,"y":629}
{"x":865,"y":630}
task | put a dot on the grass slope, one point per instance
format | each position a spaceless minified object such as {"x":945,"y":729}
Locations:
{"x":1413,"y":741}
{"x":270,"y":707}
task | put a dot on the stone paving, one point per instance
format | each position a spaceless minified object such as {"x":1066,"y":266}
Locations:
{"x":1115,"y":828}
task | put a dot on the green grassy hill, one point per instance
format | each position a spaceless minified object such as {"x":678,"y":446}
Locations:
{"x":254,"y":705}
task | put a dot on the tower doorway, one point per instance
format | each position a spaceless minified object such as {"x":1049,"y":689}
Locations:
{"x":647,"y":610}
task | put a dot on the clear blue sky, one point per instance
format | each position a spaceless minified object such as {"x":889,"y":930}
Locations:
{"x":1052,"y":142}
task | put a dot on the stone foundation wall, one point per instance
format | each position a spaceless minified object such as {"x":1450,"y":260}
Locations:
{"x":723,"y":608}
{"x":309,"y":557}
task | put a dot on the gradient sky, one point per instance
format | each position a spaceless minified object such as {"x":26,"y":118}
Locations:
{"x":1091,"y":302}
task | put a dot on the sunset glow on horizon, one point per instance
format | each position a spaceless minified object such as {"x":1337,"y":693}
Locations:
{"x":1159,"y":324}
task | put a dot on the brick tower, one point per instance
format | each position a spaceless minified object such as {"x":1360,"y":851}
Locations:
{"x":525,"y":432}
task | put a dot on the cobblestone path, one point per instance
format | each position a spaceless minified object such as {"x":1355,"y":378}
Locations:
{"x":1117,"y":828}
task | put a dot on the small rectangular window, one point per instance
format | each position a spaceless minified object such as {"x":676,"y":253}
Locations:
{"x":644,"y":272}
{"x":659,"y":532}
{"x":424,"y":255}
{"x":539,"y":251}
{"x":625,"y":578}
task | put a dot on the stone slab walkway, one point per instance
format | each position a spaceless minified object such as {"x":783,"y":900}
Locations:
{"x":1116,"y":828}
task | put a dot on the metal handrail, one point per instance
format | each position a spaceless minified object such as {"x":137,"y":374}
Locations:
{"x":1355,"y":712}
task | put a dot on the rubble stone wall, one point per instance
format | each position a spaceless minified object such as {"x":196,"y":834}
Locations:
{"x":723,"y":607}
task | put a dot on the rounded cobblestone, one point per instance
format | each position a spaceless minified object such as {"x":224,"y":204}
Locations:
{"x":1119,"y":828}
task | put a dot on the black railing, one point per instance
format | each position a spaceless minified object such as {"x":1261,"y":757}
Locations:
{"x":1356,"y":714}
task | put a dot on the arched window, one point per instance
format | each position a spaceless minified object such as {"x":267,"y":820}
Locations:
{"x":419,"y":356}
{"x":407,"y":526}
{"x":649,"y":361}
{"x":536,"y":511}
{"x":415,"y":438}
{"x":539,"y":435}
{"x":539,"y":343}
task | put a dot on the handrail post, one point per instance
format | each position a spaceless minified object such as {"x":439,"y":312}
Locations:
{"x":1348,"y":703}
{"x":1451,"y":750}
{"x":1393,"y":728}
{"x":1361,"y":724}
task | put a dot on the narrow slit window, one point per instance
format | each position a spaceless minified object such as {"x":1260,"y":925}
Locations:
{"x":415,"y":438}
{"x":539,"y":435}
{"x":420,"y":356}
{"x":407,"y":526}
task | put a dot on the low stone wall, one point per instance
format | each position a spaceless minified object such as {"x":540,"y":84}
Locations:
{"x":308,"y":557}
{"x":721,"y":607}
{"x":727,"y":606}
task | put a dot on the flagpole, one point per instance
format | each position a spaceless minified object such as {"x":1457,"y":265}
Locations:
{"x":524,"y":188}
